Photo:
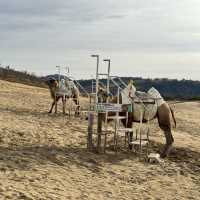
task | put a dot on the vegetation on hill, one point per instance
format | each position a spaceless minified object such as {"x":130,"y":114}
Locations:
{"x":169,"y":88}
{"x":24,"y":77}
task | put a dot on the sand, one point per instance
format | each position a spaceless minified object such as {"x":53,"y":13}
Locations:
{"x":44,"y":156}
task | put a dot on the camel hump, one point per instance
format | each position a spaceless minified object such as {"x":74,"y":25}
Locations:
{"x":156,"y":95}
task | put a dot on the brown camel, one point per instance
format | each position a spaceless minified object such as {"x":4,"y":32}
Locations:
{"x":162,"y":113}
{"x":74,"y":94}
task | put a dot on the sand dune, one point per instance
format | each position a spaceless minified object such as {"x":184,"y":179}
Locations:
{"x":44,"y":156}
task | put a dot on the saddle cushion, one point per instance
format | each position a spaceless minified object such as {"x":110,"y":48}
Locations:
{"x":148,"y":111}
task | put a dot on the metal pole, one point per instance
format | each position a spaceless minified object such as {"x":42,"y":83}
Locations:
{"x":58,"y":67}
{"x":108,"y":78}
{"x":97,"y":76}
{"x":92,"y":86}
{"x":58,"y":73}
{"x":67,"y":69}
{"x":99,"y":117}
{"x":107,"y":100}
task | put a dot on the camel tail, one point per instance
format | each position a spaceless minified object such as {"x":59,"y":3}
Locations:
{"x":173,"y":116}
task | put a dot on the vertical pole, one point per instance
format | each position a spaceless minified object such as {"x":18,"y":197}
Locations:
{"x":117,"y":120}
{"x":140,"y":128}
{"x":58,"y":74}
{"x":92,"y":87}
{"x":58,"y":67}
{"x":108,"y":78}
{"x":90,"y":131}
{"x":97,"y":78}
{"x":99,"y":116}
{"x":106,"y":128}
{"x":67,"y":74}
{"x":107,"y":101}
{"x":67,"y":68}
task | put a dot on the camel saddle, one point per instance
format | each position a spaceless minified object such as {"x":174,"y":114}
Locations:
{"x":143,"y":103}
{"x":64,"y":89}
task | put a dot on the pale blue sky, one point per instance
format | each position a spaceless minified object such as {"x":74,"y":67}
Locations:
{"x":147,"y":38}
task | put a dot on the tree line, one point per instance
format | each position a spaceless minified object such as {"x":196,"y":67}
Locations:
{"x":169,"y":88}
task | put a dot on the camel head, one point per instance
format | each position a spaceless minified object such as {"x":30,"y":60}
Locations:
{"x":131,"y":88}
{"x":52,"y":83}
{"x":103,"y":95}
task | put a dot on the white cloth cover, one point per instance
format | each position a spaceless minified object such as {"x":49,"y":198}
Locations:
{"x":148,"y":110}
{"x":65,"y":88}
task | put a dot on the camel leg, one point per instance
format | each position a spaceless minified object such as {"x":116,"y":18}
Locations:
{"x":64,"y":104}
{"x":168,"y":145}
{"x":52,"y":105}
{"x":165,"y":125}
{"x":56,"y":101}
{"x":76,"y":101}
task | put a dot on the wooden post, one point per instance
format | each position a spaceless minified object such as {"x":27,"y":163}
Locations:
{"x":117,"y":121}
{"x":106,"y":129}
{"x":99,"y":131}
{"x":90,"y":131}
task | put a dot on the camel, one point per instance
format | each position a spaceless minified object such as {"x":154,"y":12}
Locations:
{"x":162,"y":112}
{"x":72,"y":90}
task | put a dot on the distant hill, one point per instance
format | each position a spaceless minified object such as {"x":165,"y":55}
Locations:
{"x":12,"y":75}
{"x":169,"y":88}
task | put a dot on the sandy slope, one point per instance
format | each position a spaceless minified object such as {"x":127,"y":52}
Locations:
{"x":44,"y":156}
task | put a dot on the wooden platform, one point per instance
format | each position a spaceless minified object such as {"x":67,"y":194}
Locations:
{"x":117,"y":117}
{"x":138,"y":142}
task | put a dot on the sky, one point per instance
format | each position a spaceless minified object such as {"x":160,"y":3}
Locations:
{"x":144,"y":38}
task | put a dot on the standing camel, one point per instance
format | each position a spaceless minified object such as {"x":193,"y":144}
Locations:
{"x":161,"y":111}
{"x":69,"y":87}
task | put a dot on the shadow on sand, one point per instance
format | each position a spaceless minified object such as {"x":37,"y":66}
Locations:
{"x":27,"y":157}
{"x":185,"y":158}
{"x":35,"y":113}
